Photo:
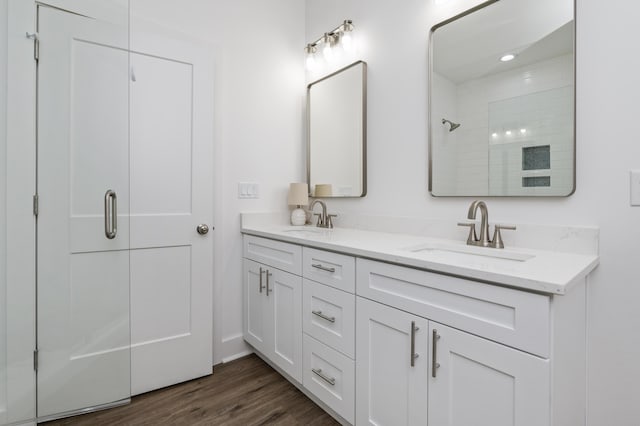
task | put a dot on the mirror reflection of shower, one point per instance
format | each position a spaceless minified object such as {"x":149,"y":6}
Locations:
{"x":451,"y":123}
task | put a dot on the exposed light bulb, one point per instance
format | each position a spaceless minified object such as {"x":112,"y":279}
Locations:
{"x":327,"y":52}
{"x":508,"y":132}
{"x":523,"y":131}
{"x":310,"y":62}
{"x":494,"y":135}
{"x":347,"y":41}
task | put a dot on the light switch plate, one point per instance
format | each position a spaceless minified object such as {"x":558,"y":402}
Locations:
{"x":635,"y":187}
{"x":248,"y":190}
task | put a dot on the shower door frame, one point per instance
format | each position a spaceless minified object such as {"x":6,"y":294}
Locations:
{"x":20,"y":213}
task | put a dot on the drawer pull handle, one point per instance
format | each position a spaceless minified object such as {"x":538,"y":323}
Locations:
{"x":434,"y":345}
{"x":414,"y":355}
{"x":323,"y":268}
{"x":324,"y":377}
{"x":323,"y":316}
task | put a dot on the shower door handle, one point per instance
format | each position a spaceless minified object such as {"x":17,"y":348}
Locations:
{"x":110,"y":214}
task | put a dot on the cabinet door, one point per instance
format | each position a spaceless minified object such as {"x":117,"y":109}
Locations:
{"x":391,"y":391}
{"x":255,"y":305}
{"x":283,"y":292}
{"x":480,"y":382}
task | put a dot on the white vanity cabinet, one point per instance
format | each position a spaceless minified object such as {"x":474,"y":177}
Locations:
{"x":273,"y":303}
{"x":412,"y":371}
{"x":485,"y":355}
{"x":379,"y":343}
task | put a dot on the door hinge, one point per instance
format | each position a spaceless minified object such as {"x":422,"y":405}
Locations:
{"x":36,"y":45}
{"x":35,"y":360}
{"x":36,"y":205}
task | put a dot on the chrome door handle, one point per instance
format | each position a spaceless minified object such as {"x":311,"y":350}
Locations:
{"x":323,"y":316}
{"x":434,"y":352}
{"x":323,"y":268}
{"x":414,"y":355}
{"x":110,"y":214}
{"x":203,"y":229}
{"x":318,"y":372}
{"x":260,"y":286}
{"x":268,"y":274}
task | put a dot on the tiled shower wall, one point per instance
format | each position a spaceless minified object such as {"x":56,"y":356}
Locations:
{"x":469,"y":151}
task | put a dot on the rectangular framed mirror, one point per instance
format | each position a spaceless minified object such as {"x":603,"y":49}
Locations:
{"x":337,"y":133}
{"x":502,"y":100}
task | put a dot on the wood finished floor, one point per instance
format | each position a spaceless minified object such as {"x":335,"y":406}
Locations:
{"x":243,"y":392}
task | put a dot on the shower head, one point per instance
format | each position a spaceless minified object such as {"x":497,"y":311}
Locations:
{"x":451,"y":123}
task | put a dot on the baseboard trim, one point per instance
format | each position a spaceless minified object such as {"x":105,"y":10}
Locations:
{"x":234,"y":347}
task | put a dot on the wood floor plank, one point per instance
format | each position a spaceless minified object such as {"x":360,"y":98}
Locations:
{"x":245,"y":392}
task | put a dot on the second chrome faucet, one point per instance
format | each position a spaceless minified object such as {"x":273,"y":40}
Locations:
{"x":324,"y":219}
{"x":483,"y":240}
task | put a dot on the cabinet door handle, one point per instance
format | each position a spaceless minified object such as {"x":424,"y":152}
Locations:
{"x":323,"y":268}
{"x":268,"y":274}
{"x":414,"y":355}
{"x":260,"y":286}
{"x":434,"y":351}
{"x":324,"y":377}
{"x":323,"y":316}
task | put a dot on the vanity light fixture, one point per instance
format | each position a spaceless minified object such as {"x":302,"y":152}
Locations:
{"x":339,"y":35}
{"x":523,"y":131}
{"x":508,"y":57}
{"x":310,"y":51}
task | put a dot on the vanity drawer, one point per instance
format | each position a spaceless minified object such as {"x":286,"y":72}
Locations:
{"x":515,"y":318}
{"x":330,"y":376}
{"x":329,"y":315}
{"x":335,"y":270}
{"x":284,"y":256}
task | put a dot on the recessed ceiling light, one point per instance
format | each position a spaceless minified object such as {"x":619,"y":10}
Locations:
{"x":508,"y":57}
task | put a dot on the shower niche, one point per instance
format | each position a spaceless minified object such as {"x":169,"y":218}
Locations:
{"x":502,"y":100}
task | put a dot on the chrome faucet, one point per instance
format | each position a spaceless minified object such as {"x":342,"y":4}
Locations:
{"x":483,"y":240}
{"x":484,"y":222}
{"x":324,"y":219}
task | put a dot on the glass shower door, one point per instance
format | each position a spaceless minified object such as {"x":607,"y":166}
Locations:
{"x":83,"y":221}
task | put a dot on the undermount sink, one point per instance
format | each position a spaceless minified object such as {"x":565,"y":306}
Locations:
{"x":444,"y":248}
{"x":305,"y":231}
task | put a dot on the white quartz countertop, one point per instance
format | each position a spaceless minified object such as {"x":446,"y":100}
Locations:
{"x":543,"y":271}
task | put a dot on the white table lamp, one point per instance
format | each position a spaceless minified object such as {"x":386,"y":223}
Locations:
{"x":298,"y":196}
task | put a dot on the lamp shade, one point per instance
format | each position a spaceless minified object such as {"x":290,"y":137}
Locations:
{"x":323,"y":190}
{"x":298,"y":194}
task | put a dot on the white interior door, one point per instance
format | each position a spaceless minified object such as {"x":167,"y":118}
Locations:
{"x":171,"y":194}
{"x":83,"y":152}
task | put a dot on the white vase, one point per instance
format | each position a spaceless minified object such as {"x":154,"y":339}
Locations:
{"x":298,"y":217}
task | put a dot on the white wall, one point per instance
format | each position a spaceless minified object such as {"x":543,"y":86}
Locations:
{"x":395,"y":47}
{"x":258,"y":118}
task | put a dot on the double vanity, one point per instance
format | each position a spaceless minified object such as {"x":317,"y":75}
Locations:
{"x":389,"y":328}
